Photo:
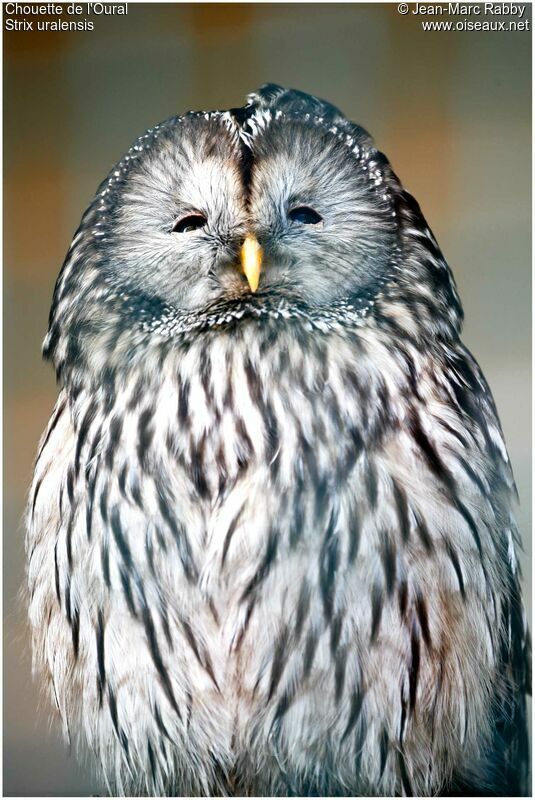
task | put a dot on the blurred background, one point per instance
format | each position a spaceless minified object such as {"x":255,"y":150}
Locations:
{"x":452,"y":111}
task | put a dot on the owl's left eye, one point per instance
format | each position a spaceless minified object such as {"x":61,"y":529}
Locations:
{"x":304,"y":215}
{"x":191,"y":222}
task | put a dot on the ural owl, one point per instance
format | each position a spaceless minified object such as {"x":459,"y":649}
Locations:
{"x":271,"y":547}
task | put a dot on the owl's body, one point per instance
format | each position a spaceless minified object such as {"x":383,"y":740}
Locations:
{"x":270,"y":539}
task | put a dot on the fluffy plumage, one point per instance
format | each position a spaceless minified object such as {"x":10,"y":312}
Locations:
{"x":271,"y":547}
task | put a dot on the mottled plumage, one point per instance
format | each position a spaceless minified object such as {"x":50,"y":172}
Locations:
{"x":271,"y":546}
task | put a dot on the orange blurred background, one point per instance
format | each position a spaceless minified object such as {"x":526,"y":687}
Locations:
{"x":452,"y":111}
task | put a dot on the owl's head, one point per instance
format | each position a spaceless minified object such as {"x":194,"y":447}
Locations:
{"x":282,"y":206}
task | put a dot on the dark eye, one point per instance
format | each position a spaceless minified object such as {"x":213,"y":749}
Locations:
{"x":191,"y":222}
{"x":304,"y":215}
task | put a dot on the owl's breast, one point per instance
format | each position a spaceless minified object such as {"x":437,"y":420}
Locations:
{"x":264,"y":403}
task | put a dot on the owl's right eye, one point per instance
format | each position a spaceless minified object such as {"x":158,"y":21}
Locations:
{"x":189,"y":223}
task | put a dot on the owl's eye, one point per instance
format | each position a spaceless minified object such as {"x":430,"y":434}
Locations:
{"x":304,"y":215}
{"x":191,"y":222}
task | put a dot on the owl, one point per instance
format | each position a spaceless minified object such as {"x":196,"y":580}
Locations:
{"x":270,"y":541}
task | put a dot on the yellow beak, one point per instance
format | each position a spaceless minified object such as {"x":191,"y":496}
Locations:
{"x":251,"y":260}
